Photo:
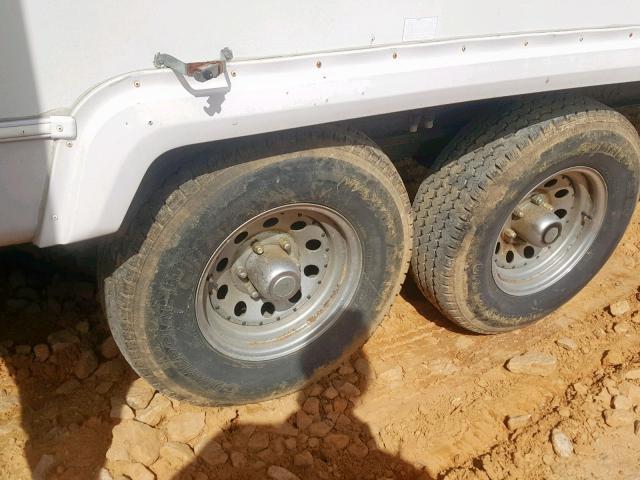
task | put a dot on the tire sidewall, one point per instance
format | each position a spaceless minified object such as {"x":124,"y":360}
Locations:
{"x":166,"y":299}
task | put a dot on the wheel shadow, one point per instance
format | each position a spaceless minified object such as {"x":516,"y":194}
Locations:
{"x":412,"y":295}
{"x":322,"y":439}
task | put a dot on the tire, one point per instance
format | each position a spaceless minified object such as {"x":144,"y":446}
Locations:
{"x":151,"y":285}
{"x":487,"y":171}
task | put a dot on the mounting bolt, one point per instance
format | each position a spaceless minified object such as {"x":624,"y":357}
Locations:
{"x":510,"y":234}
{"x":242,"y":273}
{"x":286,"y":246}
{"x":255,"y":295}
{"x":257,"y":248}
{"x":518,"y":212}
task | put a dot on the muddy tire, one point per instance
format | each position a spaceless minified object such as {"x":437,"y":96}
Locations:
{"x":200,"y":287}
{"x":491,"y":226}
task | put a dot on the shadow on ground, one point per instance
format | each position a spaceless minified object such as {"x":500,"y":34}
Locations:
{"x":71,"y":408}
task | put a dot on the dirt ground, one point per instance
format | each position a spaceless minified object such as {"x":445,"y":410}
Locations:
{"x":423,"y":399}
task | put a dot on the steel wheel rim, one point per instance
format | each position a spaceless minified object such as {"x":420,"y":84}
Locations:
{"x":576,"y":198}
{"x":313,"y":240}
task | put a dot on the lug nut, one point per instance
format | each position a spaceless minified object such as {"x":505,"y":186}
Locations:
{"x":286,"y":246}
{"x":255,"y":295}
{"x":241,"y":273}
{"x":518,"y":212}
{"x":537,"y":199}
{"x":510,"y":234}
{"x":257,"y":248}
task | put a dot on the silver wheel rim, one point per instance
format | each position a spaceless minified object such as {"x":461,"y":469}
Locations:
{"x":549,"y":231}
{"x":278,"y":282}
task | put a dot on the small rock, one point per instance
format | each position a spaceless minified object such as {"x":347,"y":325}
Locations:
{"x":620,"y":402}
{"x":62,"y":338}
{"x":303,"y":420}
{"x":135,"y":441}
{"x":303,"y":459}
{"x":258,"y":441}
{"x":157,"y":410}
{"x":140,"y":394}
{"x":23,"y":349}
{"x":633,"y":374}
{"x":86,"y":364}
{"x":82,"y":327}
{"x":8,"y":402}
{"x":567,"y":343}
{"x":111,"y":369}
{"x":104,"y":387}
{"x":290,"y":443}
{"x":122,"y":412}
{"x":313,"y":442}
{"x":185,"y":427}
{"x":636,"y":427}
{"x":137,"y":471}
{"x":362,"y":366}
{"x":564,"y":412}
{"x":346,"y":369}
{"x":311,"y":406}
{"x":580,"y":388}
{"x":562,"y":445}
{"x":619,"y":308}
{"x":618,"y":418}
{"x":358,"y":448}
{"x":238,"y":459}
{"x":319,"y":429}
{"x":177,"y":454}
{"x":532,"y":363}
{"x":635,"y":316}
{"x":315,"y":390}
{"x":109,"y":349}
{"x":103,"y":474}
{"x":42,"y":467}
{"x":621,"y":327}
{"x":67,"y":387}
{"x":612,"y":358}
{"x":337,"y":440}
{"x":517,"y":421}
{"x":41,"y":352}
{"x":340,"y":404}
{"x":210,"y":451}
{"x":279,"y":473}
{"x":330,"y":393}
{"x":630,"y":390}
{"x":349,"y":390}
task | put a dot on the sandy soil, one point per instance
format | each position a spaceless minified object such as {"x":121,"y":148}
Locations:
{"x":422,"y":399}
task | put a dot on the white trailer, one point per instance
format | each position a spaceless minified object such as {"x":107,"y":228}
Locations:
{"x":236,"y":162}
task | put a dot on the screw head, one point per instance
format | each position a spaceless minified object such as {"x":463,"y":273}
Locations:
{"x":242,"y":273}
{"x":518,"y":212}
{"x":257,"y":248}
{"x":255,"y":295}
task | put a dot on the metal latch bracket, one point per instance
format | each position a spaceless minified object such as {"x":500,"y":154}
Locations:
{"x":200,"y":71}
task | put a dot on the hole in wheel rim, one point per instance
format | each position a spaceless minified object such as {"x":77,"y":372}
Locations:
{"x":299,"y":225}
{"x":270,"y":222}
{"x":561,"y":193}
{"x":296,"y":297}
{"x":560,"y":213}
{"x":529,"y":251}
{"x":240,"y":237}
{"x":222,"y":292}
{"x":222,"y":264}
{"x":267,"y":309}
{"x":311,"y":271}
{"x":313,"y":244}
{"x":510,"y":256}
{"x":240,"y":309}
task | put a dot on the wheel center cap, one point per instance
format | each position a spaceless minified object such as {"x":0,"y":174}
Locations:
{"x":274,"y":274}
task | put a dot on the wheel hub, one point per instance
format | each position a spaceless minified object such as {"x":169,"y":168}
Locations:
{"x":549,"y":231}
{"x":274,"y":273}
{"x":535,"y":222}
